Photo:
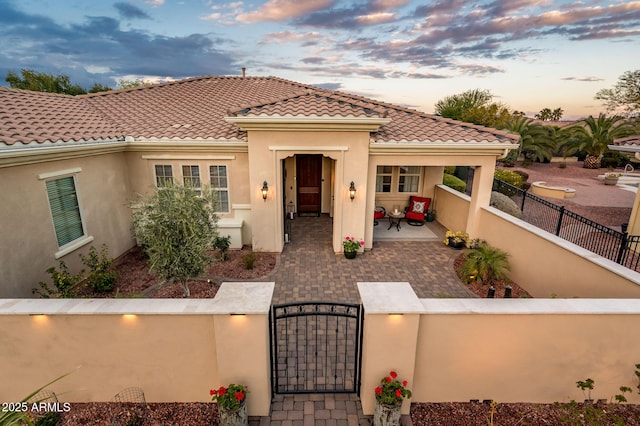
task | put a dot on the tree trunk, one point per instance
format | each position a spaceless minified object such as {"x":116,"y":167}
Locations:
{"x":592,"y":162}
{"x":185,"y":288}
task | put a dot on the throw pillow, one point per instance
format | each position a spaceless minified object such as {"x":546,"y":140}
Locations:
{"x":418,"y":207}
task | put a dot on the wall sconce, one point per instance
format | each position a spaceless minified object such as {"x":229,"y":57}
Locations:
{"x":265,"y":190}
{"x":352,"y":191}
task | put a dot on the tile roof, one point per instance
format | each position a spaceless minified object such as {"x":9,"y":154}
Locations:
{"x":27,"y":116}
{"x":195,"y":109}
{"x":629,"y":141}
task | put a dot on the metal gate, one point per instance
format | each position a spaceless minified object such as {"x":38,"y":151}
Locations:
{"x":316,"y":347}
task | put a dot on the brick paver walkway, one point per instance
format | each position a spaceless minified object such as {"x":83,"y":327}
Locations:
{"x":309,"y":270}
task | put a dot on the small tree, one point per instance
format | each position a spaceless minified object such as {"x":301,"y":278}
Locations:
{"x":485,"y":264}
{"x":177,"y":228}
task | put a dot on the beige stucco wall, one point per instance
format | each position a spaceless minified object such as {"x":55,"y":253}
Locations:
{"x":29,"y":244}
{"x":169,"y":356}
{"x":175,"y":350}
{"x":452,"y":208}
{"x":349,"y":152}
{"x":524,"y":357}
{"x":546,"y":265}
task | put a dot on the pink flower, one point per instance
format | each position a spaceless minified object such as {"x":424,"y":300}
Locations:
{"x":361,"y":242}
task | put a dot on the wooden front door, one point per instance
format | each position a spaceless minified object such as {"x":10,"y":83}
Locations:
{"x":309,"y":181}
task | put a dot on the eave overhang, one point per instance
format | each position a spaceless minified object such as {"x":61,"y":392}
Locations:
{"x":498,"y":150}
{"x":298,"y":123}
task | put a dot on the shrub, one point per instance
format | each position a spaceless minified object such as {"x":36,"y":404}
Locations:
{"x":249,"y":260}
{"x":485,"y":264}
{"x":50,"y":419}
{"x":511,"y":177}
{"x":222,"y":244}
{"x":613,"y":159}
{"x":449,"y":170}
{"x":454,"y":183}
{"x":100,"y":277}
{"x":505,"y":204}
{"x":63,"y":283}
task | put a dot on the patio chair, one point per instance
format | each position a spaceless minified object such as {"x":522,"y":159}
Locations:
{"x":378,"y":213}
{"x":416,"y":213}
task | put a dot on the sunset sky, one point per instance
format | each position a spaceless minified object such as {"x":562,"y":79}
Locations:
{"x":530,"y":54}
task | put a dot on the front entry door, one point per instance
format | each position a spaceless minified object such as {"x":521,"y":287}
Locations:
{"x":309,"y":180}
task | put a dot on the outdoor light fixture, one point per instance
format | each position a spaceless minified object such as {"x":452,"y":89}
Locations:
{"x":352,"y":191}
{"x":265,"y":190}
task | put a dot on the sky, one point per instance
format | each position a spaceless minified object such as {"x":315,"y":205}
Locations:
{"x":530,"y":54}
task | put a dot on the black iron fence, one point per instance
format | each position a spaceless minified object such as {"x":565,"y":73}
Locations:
{"x":614,"y":245}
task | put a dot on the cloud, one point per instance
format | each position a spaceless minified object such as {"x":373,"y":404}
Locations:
{"x":283,"y":10}
{"x":155,"y":3}
{"x":587,"y":79}
{"x":129,"y":11}
{"x":375,"y":18}
{"x":306,"y":38}
{"x":86,"y":49}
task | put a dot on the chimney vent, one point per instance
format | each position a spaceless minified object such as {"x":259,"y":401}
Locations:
{"x":244,"y":72}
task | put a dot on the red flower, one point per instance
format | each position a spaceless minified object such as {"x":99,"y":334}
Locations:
{"x":393,"y":374}
{"x":388,"y":379}
{"x":378,"y":390}
{"x":239,"y":396}
{"x":398,"y":393}
{"x":404,"y":383}
{"x":212,"y":392}
{"x":222,"y":391}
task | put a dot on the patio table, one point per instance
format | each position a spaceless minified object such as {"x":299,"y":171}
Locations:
{"x":394,"y":220}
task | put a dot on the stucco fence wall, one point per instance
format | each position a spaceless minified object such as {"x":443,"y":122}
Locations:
{"x":175,"y":350}
{"x":543,"y":264}
{"x":448,"y":349}
{"x":507,"y":350}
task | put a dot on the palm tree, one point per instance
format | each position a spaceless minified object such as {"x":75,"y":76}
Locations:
{"x":593,"y":135}
{"x":485,"y":264}
{"x":537,"y":140}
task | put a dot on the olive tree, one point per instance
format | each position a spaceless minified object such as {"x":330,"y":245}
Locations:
{"x":176,"y":227}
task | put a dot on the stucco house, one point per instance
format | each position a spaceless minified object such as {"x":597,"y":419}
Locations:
{"x":71,"y":166}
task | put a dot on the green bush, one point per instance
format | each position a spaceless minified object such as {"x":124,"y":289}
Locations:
{"x":613,"y":159}
{"x":249,"y":260}
{"x":100,"y":278}
{"x":505,"y":204}
{"x":485,"y":264}
{"x":449,"y":170}
{"x":63,"y":283}
{"x":511,"y":177}
{"x":222,"y":244}
{"x":454,"y":183}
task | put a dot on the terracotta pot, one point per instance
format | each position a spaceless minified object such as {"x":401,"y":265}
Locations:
{"x":350,"y":254}
{"x":457,"y":245}
{"x":386,"y":415}
{"x":234,"y":418}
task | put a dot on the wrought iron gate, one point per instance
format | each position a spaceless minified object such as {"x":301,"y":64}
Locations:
{"x":316,"y":347}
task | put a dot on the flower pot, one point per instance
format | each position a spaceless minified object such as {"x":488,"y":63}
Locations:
{"x":234,"y":418}
{"x":456,"y":245}
{"x":610,"y":180}
{"x":386,"y":415}
{"x":431,"y":217}
{"x":350,"y":254}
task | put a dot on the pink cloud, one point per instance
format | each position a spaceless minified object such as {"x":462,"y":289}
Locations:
{"x":375,"y":18}
{"x":281,"y":10}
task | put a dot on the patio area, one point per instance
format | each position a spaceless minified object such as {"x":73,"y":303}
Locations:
{"x":309,"y":270}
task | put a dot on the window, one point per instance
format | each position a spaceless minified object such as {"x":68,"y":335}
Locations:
{"x":65,"y":210}
{"x":164,"y":175}
{"x":191,"y":177}
{"x":409,"y":179}
{"x":220,"y":185}
{"x":383,"y":178}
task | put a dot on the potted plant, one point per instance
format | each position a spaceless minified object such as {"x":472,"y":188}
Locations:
{"x":389,"y":396}
{"x":232,"y":404}
{"x":456,"y":240}
{"x":611,"y":178}
{"x":351,"y":246}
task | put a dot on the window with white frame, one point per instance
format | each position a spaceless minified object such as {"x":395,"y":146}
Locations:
{"x":191,"y":178}
{"x":65,"y":209}
{"x":384,"y":175}
{"x":409,"y":179}
{"x":164,"y":175}
{"x":220,"y":185}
